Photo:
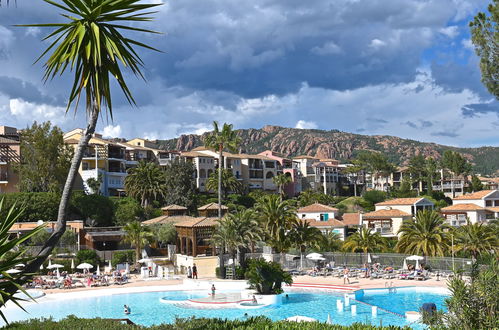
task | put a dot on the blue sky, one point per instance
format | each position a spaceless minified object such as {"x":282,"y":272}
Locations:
{"x":391,"y":67}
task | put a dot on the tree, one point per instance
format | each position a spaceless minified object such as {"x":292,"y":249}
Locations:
{"x":127,"y":210}
{"x":11,"y":255}
{"x":95,"y":184}
{"x":267,"y":276}
{"x":476,"y":239}
{"x":220,"y":140}
{"x":476,"y":184}
{"x":430,"y":173}
{"x":276,"y":218}
{"x":365,"y":240}
{"x":138,"y":236}
{"x":87,"y":256}
{"x":456,"y":164}
{"x":91,"y":44}
{"x":303,"y":236}
{"x":180,"y":184}
{"x":280,"y":181}
{"x":354,"y":171}
{"x":404,"y":190}
{"x":485,"y":37}
{"x":330,"y":242}
{"x":45,"y":159}
{"x":164,"y":233}
{"x":146,"y":182}
{"x":229,"y":182}
{"x":97,"y":210}
{"x":417,"y":170}
{"x":425,"y":235}
{"x":376,"y":164}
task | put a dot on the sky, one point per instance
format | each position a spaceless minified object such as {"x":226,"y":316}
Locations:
{"x":394,"y":67}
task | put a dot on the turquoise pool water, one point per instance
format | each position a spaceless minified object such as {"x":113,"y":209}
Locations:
{"x":148,"y":310}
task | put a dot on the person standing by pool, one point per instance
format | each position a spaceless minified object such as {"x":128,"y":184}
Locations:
{"x":194,"y":271}
{"x":345,"y":275}
{"x":213,"y":289}
{"x":189,"y":272}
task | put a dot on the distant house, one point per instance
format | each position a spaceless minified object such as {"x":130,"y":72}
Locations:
{"x":478,"y":207}
{"x":317,"y":212}
{"x":331,"y":225}
{"x":457,"y":215}
{"x":388,"y":216}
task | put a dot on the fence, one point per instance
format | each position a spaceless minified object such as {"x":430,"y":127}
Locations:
{"x":359,"y":259}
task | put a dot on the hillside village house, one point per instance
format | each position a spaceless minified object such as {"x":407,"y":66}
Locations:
{"x":322,"y":217}
{"x":388,"y":216}
{"x":10,"y":154}
{"x":287,"y":167}
{"x":478,"y":207}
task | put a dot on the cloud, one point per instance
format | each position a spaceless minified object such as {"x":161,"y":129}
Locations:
{"x":467,"y":44}
{"x":111,"y":131}
{"x":377,"y":44}
{"x":327,"y":49}
{"x":29,"y":111}
{"x":302,"y":124}
{"x":472,"y":110}
{"x":33,"y":31}
{"x":445,"y":134}
{"x":450,"y":31}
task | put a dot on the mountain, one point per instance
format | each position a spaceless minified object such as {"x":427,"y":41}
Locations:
{"x":340,"y":145}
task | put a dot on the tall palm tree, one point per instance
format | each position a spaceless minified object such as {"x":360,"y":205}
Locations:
{"x":303,"y":236}
{"x":330,"y":242}
{"x":477,"y":239}
{"x":138,"y":236}
{"x":425,"y":235}
{"x":277,"y":218}
{"x":220,"y":140}
{"x":146,"y":182}
{"x":90,"y":43}
{"x":280,"y":181}
{"x":354,"y":170}
{"x":366,"y":240}
{"x":229,"y":182}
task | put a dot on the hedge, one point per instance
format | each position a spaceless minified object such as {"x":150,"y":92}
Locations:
{"x":260,"y":322}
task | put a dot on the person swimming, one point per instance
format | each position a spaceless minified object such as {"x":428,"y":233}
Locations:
{"x":127,"y":310}
{"x":254,"y":301}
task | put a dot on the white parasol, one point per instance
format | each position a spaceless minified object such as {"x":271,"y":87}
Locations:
{"x":127,"y":268}
{"x":299,"y":318}
{"x":20,"y":265}
{"x":13,"y":271}
{"x":416,"y":258}
{"x":85,"y":266}
{"x":72,"y":264}
{"x":55,"y":266}
{"x":329,"y":320}
{"x":405,"y":265}
{"x":98,"y":270}
{"x":369,"y":258}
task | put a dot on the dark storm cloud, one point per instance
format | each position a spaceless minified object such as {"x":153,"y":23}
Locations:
{"x":445,"y":134}
{"x":471,"y":110}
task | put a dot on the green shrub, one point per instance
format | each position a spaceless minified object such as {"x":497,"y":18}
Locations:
{"x":374,"y":196}
{"x":267,"y":276}
{"x":127,"y":210}
{"x":122,"y":257}
{"x":88,"y":256}
{"x":98,"y":208}
{"x":37,"y":206}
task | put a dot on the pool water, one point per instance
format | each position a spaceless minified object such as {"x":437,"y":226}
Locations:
{"x":148,"y":310}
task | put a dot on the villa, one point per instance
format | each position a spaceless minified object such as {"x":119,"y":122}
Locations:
{"x":478,"y":207}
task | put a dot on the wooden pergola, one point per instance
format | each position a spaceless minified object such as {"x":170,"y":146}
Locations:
{"x":193,"y":236}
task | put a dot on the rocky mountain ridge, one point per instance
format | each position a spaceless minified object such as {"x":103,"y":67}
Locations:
{"x":340,"y":145}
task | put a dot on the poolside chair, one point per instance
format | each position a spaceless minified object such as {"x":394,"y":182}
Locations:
{"x":422,"y":277}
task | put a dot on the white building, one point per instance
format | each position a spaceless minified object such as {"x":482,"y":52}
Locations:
{"x":317,"y":212}
{"x":479,"y":206}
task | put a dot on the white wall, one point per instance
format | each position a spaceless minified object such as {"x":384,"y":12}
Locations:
{"x":315,"y":215}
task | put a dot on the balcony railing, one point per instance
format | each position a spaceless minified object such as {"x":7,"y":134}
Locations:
{"x":448,"y":186}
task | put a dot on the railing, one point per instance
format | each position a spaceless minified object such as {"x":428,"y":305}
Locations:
{"x":448,"y":186}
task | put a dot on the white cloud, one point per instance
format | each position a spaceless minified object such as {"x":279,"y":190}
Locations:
{"x":24,"y":110}
{"x":33,"y":31}
{"x":327,"y":49}
{"x":468,"y":44}
{"x":377,"y":44}
{"x":302,"y":124}
{"x":111,"y":131}
{"x":450,"y":31}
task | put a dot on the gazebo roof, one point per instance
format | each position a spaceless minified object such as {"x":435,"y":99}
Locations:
{"x":197,"y":222}
{"x":174,"y":207}
{"x":212,"y":206}
{"x":167,"y":219}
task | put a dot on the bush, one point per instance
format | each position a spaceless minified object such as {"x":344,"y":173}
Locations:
{"x":374,"y":196}
{"x":122,"y":257}
{"x":126,"y":210}
{"x":37,"y":206}
{"x":88,"y":256}
{"x":95,"y":207}
{"x":267,"y":276}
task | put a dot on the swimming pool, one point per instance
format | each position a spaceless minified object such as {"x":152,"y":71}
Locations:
{"x":148,"y":310}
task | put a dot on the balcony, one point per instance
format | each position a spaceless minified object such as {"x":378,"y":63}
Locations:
{"x":448,"y":186}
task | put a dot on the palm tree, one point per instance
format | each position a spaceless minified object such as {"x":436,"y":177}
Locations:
{"x":146,"y":182}
{"x":220,"y":140}
{"x":354,"y":170}
{"x":425,"y":235}
{"x":280,"y":181}
{"x":303,"y":236}
{"x":138,"y":236}
{"x":477,"y":239}
{"x":229,"y":182}
{"x":90,"y":43}
{"x":366,"y":240}
{"x":277,"y":218}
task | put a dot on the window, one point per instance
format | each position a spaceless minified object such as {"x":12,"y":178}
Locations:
{"x":488,"y":203}
{"x":138,"y":143}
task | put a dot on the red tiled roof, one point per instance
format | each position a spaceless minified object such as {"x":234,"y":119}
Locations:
{"x":351,"y":219}
{"x":401,"y":201}
{"x":212,"y":206}
{"x":462,"y":207}
{"x":329,"y":223}
{"x":393,"y":213}
{"x":476,"y":195}
{"x":174,"y":207}
{"x":168,"y":219}
{"x":197,"y":222}
{"x":316,"y":207}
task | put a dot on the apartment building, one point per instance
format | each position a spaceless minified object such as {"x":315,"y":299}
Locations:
{"x":451,"y":186}
{"x":327,"y":176}
{"x":388,"y":216}
{"x":204,"y":165}
{"x":102,"y":160}
{"x":287,"y":167}
{"x":478,"y":207}
{"x":10,"y":154}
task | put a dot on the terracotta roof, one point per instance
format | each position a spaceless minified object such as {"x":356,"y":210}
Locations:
{"x":316,"y":207}
{"x":495,"y":180}
{"x":71,"y":141}
{"x":351,"y":219}
{"x":304,"y":157}
{"x":386,"y":214}
{"x":400,"y":201}
{"x":462,"y":207}
{"x":329,"y":223}
{"x":212,"y":206}
{"x":197,"y":222}
{"x":476,"y":195}
{"x":493,"y":209}
{"x":132,"y":146}
{"x":194,"y":154}
{"x":166,"y":219}
{"x":174,"y":207}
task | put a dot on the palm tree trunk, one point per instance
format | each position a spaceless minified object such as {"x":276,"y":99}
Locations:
{"x":355,"y":187}
{"x":221,"y":252}
{"x":60,"y":226}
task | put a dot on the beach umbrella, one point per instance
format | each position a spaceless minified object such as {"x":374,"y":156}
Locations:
{"x":299,"y":318}
{"x":84,"y":266}
{"x":313,"y":256}
{"x":57,"y":272}
{"x":329,"y":321}
{"x":41,"y":267}
{"x":369,"y":258}
{"x":55,"y":266}
{"x":416,"y":258}
{"x":13,"y":271}
{"x":98,"y":270}
{"x":50,"y":262}
{"x":20,"y":265}
{"x":110,"y":265}
{"x":405,"y":265}
{"x":72,"y":264}
{"x":127,"y":268}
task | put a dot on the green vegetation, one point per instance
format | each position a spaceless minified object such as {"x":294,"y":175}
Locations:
{"x":88,"y":256}
{"x":229,"y":182}
{"x":266,"y":277}
{"x":99,"y":209}
{"x":180,"y":185}
{"x":122,"y":257}
{"x":366,"y":241}
{"x":260,"y":322}
{"x":138,"y":236}
{"x":146,"y":182}
{"x":45,"y":159}
{"x":127,"y":210}
{"x":476,"y":239}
